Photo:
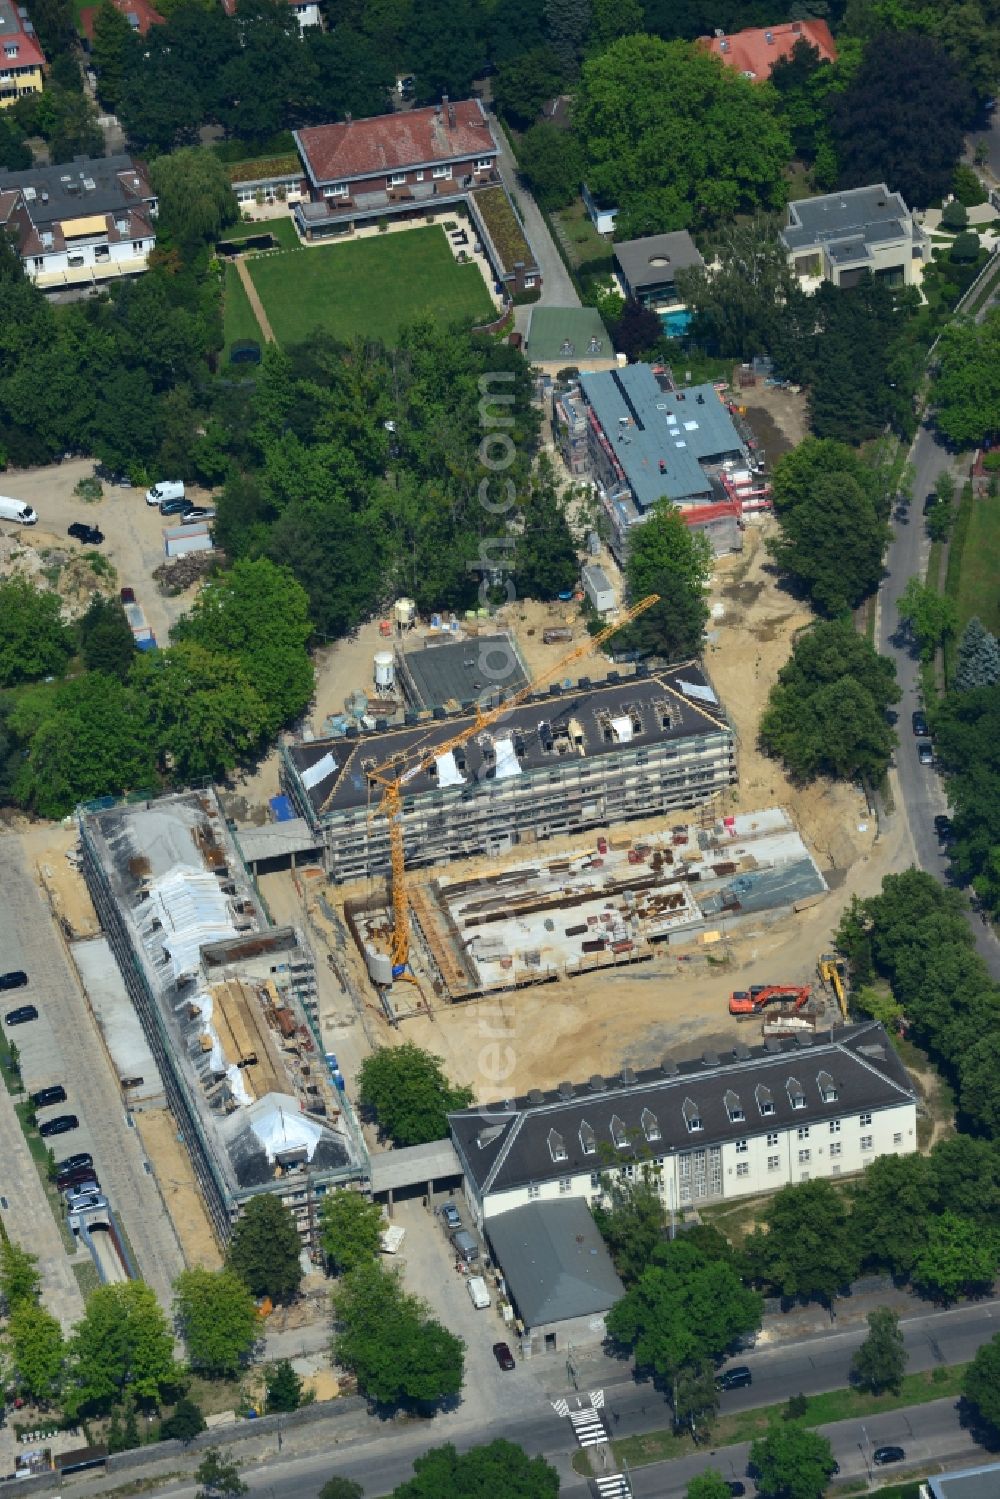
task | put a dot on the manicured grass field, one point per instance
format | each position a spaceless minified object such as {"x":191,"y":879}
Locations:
{"x":371,"y":287}
{"x":980,"y":565}
{"x":238,"y":321}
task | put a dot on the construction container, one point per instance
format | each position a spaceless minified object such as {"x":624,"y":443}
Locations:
{"x":385,"y":670}
{"x":556,"y":635}
{"x":405,"y":613}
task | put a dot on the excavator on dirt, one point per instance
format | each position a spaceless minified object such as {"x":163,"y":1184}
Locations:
{"x":751,"y":1001}
{"x":833,"y":971}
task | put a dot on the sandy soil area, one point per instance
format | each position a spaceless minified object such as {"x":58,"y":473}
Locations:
{"x":179,"y":1188}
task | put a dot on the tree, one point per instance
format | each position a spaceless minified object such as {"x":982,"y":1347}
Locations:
{"x":265,"y":1249}
{"x":708,"y":1485}
{"x":978,"y":658}
{"x":893,"y":1204}
{"x":567,"y":23}
{"x":205,"y":713}
{"x":965,"y":248}
{"x":966,"y":393}
{"x":196,"y":196}
{"x":980,"y":1086}
{"x":675,"y":138}
{"x":741,"y":308}
{"x":217,"y":1317}
{"x":960,"y":1257}
{"x":524,"y":83}
{"x":407,"y":1091}
{"x":341,"y":1488}
{"x":825,"y":715}
{"x":545,"y":560}
{"x":880,"y":126}
{"x":880,"y":1362}
{"x":186,"y":1423}
{"x":967,"y":187}
{"x":15,"y":155}
{"x":954,"y":216}
{"x":37,"y":1349}
{"x":551,"y":163}
{"x":966,"y":727}
{"x":284,"y":1387}
{"x":500,"y":1467}
{"x":631,"y":1217}
{"x":121,"y":1345}
{"x":34,"y":642}
{"x":20,"y":1281}
{"x":932,"y":616}
{"x":637,"y":331}
{"x":792,"y":1463}
{"x":668,"y":558}
{"x":832,"y":543}
{"x":219,"y":1477}
{"x":111,"y":51}
{"x":694,"y":1395}
{"x":350,"y":1229}
{"x":106,"y":640}
{"x":981,"y":1385}
{"x":808,"y":1249}
{"x":685,"y":1309}
{"x":396,"y":1350}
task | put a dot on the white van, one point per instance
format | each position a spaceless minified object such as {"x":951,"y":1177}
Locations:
{"x":16,"y":510}
{"x":478,"y":1293}
{"x":165,"y":489}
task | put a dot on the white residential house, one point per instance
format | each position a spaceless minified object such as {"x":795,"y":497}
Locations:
{"x":840,"y":236}
{"x":721,"y":1126}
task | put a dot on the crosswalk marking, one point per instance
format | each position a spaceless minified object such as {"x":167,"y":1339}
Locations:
{"x":561,"y":1407}
{"x":597,"y":1399}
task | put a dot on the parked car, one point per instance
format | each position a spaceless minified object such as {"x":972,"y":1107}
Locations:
{"x":925,"y":752}
{"x":127,"y":595}
{"x":84,"y":1188}
{"x":503,"y":1356}
{"x":736,"y":1487}
{"x":89,"y":535}
{"x":176,"y":507}
{"x":734,"y":1379}
{"x":192,"y":516}
{"x":942,"y":826}
{"x":47,"y":1096}
{"x":883,"y":1455}
{"x":451,"y":1216}
{"x":21,"y":1015}
{"x":60,"y":1125}
{"x":15,"y":979}
{"x":920,"y":725}
{"x":71,"y":1162}
{"x":79,"y":1176}
{"x":163,"y":490}
{"x":930,"y":501}
{"x":90,"y":1200}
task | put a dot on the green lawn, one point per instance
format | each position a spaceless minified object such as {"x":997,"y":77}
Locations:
{"x":980,"y":565}
{"x":238,"y":321}
{"x":371,"y":287}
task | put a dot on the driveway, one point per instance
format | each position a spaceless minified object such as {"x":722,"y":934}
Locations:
{"x":133,"y":530}
{"x":557,"y":287}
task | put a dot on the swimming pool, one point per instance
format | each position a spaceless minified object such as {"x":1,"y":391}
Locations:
{"x":676,"y":322}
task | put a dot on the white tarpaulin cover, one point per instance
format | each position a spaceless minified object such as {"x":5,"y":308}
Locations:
{"x":623,"y":729}
{"x":279,"y":1126}
{"x":448,"y":772}
{"x":507,"y":762}
{"x":319,"y":771}
{"x":193,"y":911}
{"x":695,"y":689}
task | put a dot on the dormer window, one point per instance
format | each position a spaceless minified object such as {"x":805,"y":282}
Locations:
{"x":796,"y":1097}
{"x":734,"y":1108}
{"x":588,"y":1140}
{"x":619,"y":1133}
{"x":827,"y":1087}
{"x":765,"y":1100}
{"x":692,"y":1116}
{"x":557,"y":1146}
{"x":650,"y":1127}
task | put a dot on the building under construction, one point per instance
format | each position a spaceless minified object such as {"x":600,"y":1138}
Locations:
{"x":228,"y":1006}
{"x":572,"y":756}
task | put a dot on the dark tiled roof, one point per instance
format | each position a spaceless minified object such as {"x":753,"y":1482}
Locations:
{"x":657,"y":258}
{"x":412,"y":138}
{"x":554,"y":1261}
{"x":508,"y":1144}
{"x":79,"y":188}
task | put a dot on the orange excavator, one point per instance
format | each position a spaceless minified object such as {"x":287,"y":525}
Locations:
{"x":750,"y":1001}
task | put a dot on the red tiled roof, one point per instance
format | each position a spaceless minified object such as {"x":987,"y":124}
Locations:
{"x":141,"y":9}
{"x":29,"y":53}
{"x":363,"y":148}
{"x":750,"y":51}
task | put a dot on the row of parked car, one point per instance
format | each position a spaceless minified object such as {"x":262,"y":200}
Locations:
{"x":44,"y":1098}
{"x":170,"y":496}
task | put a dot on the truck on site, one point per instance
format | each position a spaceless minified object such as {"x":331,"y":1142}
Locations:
{"x":16,"y":510}
{"x":751,"y":1001}
{"x":163,"y":490}
{"x":478,"y":1293}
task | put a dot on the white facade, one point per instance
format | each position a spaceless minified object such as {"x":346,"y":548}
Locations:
{"x":307,"y":15}
{"x":89,"y":260}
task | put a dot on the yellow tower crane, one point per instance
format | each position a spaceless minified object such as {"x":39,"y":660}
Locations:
{"x":395,"y":775}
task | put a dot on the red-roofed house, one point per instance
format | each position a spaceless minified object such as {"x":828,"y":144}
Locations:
{"x":139,"y":14}
{"x":21,"y":58}
{"x":414,"y":164}
{"x":755,"y":51}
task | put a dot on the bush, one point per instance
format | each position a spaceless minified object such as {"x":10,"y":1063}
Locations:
{"x":955,"y":216}
{"x":967,"y":187}
{"x":966,"y":246}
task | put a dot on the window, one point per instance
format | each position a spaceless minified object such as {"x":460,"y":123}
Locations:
{"x":836,"y":1171}
{"x":742,"y":1168}
{"x":397,"y":179}
{"x":692,"y":1116}
{"x":765,"y":1100}
{"x":774,"y":1163}
{"x":867,"y":1142}
{"x":534,"y":1190}
{"x":595,"y":1179}
{"x":796,"y":1097}
{"x":619,"y":1134}
{"x":588,"y":1140}
{"x":835,"y":1126}
{"x":138,"y":245}
{"x":557,"y":1146}
{"x":441,"y":172}
{"x":865,"y":1120}
{"x":804,"y":1156}
{"x":650,"y":1125}
{"x":565,"y":1184}
{"x":835,"y":1148}
{"x":338,"y":190}
{"x":742,"y":1146}
{"x":484,"y":163}
{"x":772,"y":1139}
{"x":38,"y":262}
{"x":533,"y":281}
{"x":803,"y":1131}
{"x":733,"y":1107}
{"x":827,"y":1087}
{"x":420,"y":176}
{"x":897,"y":1139}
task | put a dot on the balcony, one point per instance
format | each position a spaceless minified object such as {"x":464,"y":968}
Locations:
{"x":392,"y":202}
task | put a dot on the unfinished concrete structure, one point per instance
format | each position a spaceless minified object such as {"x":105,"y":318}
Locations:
{"x":586,"y":755}
{"x":228,"y":1006}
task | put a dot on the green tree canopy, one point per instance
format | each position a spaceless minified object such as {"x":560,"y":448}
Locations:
{"x":397,"y":1351}
{"x":893,"y":1203}
{"x":500,"y":1467}
{"x":20,"y":1281}
{"x":809,"y":1249}
{"x":545,"y":560}
{"x":631,"y":1217}
{"x":34,"y":642}
{"x":978,"y":658}
{"x":966,"y":393}
{"x":524,"y":83}
{"x":981,"y":1385}
{"x":284,"y":1387}
{"x":106,"y":640}
{"x":341,"y":1488}
{"x":196,"y":196}
{"x":217,"y":1317}
{"x":265,"y":1249}
{"x":880,"y":1363}
{"x":980,"y":1086}
{"x":205,"y":713}
{"x":38,"y":1351}
{"x":792,"y":1463}
{"x":122,"y":1345}
{"x":186,"y":1422}
{"x":667,"y":558}
{"x":675,"y":138}
{"x":932,"y":616}
{"x":350,"y":1228}
{"x":218,"y":1477}
{"x":551,"y":163}
{"x":740,"y":307}
{"x":959,"y":1257}
{"x":709,"y":1485}
{"x":408,"y":1093}
{"x":966,"y":726}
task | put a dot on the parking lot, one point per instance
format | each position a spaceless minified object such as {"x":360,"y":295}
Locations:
{"x":133,"y":530}
{"x":63,"y":1046}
